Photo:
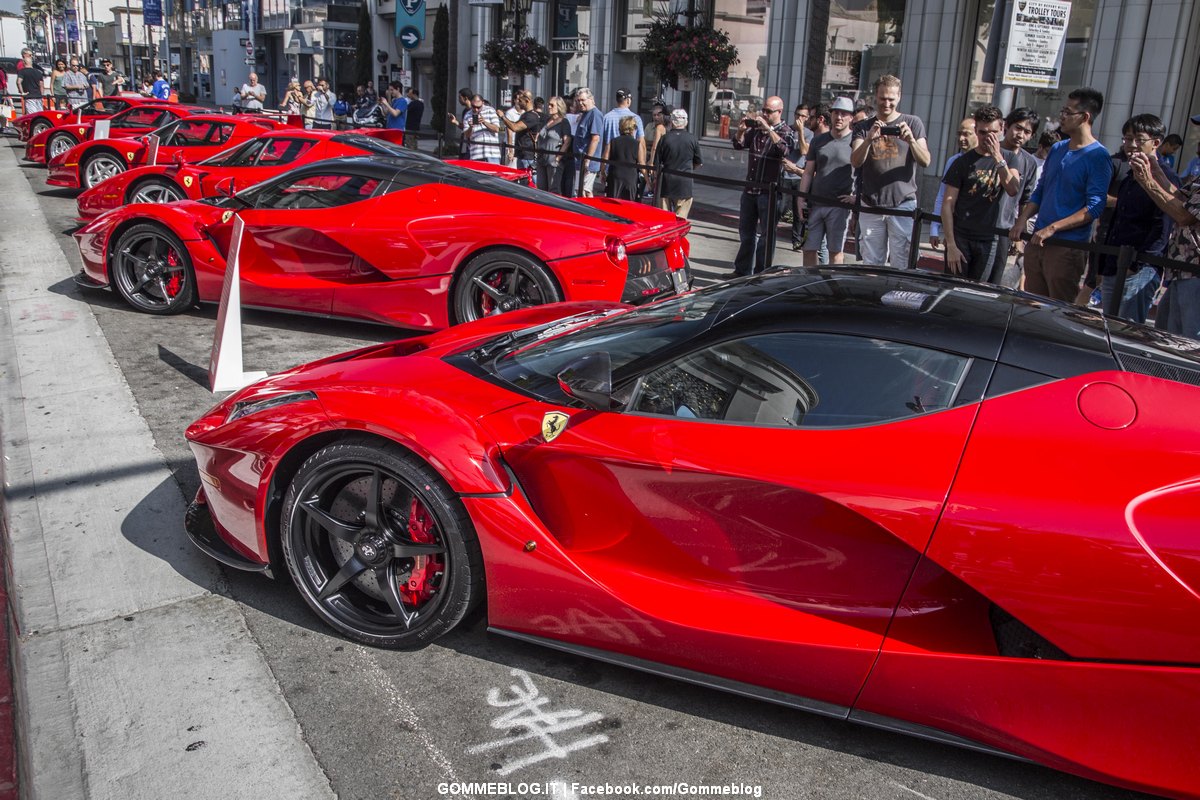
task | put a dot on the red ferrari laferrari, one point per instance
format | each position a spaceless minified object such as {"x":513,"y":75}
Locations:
{"x":399,"y":238}
{"x":135,"y":121}
{"x":902,"y":500}
{"x":197,"y":137}
{"x":29,"y":125}
{"x":265,"y":157}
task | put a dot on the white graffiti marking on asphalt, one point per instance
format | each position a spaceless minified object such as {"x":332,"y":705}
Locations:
{"x":526,"y":713}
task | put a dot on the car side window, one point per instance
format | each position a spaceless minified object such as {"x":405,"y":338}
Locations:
{"x":318,"y":191}
{"x":283,"y":151}
{"x":240,"y":157}
{"x":220,"y":133}
{"x":188,"y":133}
{"x":809,"y":380}
{"x":141,"y":118}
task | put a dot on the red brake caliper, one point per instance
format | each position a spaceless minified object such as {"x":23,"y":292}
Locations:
{"x":420,"y":584}
{"x":175,"y":281}
{"x":495,"y":282}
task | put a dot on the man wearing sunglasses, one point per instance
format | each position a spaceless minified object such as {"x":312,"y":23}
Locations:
{"x":76,"y":84}
{"x":1070,"y":196}
{"x":769,"y":139}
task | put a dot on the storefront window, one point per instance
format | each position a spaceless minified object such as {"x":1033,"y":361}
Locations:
{"x":862,"y":42}
{"x":747,"y":23}
{"x":571,"y":45}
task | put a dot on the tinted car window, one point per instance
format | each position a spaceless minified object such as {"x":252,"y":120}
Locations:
{"x":189,"y":133}
{"x":317,"y":191}
{"x":283,"y":151}
{"x":104,"y":107}
{"x":242,"y":156}
{"x":141,"y":118}
{"x":810,"y":380}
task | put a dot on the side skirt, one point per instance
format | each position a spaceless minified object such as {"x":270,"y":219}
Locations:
{"x":759,"y":693}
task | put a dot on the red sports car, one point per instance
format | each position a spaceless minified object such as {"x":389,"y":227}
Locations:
{"x":267,"y":156}
{"x":88,"y":164}
{"x":401,"y":239}
{"x":897,"y":499}
{"x":29,"y":125}
{"x":133,"y":121}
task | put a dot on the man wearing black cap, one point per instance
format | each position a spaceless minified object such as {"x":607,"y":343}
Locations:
{"x":612,"y":128}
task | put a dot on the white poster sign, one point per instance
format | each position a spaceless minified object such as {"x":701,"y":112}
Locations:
{"x":1036,"y":40}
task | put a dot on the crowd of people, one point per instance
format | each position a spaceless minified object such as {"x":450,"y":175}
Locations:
{"x":854,"y":171}
{"x":69,"y":84}
{"x":1008,"y":211}
{"x":848,"y":170}
{"x":572,"y":146}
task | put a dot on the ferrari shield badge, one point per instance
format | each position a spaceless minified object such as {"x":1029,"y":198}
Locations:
{"x":225,"y":217}
{"x":553,"y":423}
{"x":187,"y":181}
{"x":129,"y":156}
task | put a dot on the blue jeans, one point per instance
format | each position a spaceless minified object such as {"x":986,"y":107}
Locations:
{"x":751,"y":256}
{"x":884,"y":240}
{"x":1140,"y":287}
{"x":1179,"y":310}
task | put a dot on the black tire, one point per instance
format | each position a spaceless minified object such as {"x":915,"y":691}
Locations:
{"x":155,"y":190}
{"x":99,"y":167}
{"x":39,"y":127}
{"x":501,"y":280}
{"x":348,"y":535}
{"x":57,"y":144}
{"x":152,"y":270}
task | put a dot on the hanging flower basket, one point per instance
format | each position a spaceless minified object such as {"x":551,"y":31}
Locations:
{"x":503,"y":57}
{"x":673,"y":50}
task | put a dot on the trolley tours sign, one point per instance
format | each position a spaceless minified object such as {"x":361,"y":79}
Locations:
{"x":1036,"y":40}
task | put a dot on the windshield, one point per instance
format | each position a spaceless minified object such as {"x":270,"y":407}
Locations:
{"x":530,"y":359}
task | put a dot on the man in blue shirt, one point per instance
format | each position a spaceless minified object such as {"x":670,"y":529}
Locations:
{"x":589,"y":128}
{"x":161,"y":90}
{"x":394,"y":106}
{"x":1068,"y":199}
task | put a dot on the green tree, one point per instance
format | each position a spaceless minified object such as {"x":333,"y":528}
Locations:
{"x":441,"y":69}
{"x":364,"y":49}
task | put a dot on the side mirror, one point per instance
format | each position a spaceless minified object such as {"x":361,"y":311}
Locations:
{"x":589,"y":380}
{"x":179,"y":160}
{"x":225,"y":187}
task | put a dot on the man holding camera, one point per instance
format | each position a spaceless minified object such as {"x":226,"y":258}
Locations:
{"x":888,"y":148}
{"x":769,"y":140}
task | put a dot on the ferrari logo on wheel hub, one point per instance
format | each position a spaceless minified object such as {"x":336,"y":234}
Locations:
{"x":553,"y":423}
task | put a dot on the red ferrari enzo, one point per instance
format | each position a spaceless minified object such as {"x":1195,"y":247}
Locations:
{"x":267,"y":156}
{"x":134,"y":121}
{"x":399,"y":238}
{"x":87,"y":164}
{"x":898,"y":499}
{"x":30,"y":125}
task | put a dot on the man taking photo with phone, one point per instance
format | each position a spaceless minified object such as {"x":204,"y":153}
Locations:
{"x":888,"y":148}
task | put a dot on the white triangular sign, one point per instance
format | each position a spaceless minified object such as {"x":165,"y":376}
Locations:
{"x":225,"y":373}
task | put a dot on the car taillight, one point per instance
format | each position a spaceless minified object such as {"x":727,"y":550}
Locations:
{"x":615,"y":249}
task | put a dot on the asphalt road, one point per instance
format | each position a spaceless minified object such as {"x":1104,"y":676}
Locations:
{"x":401,"y":725}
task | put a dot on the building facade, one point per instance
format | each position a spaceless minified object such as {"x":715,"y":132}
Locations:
{"x":1143,"y":56}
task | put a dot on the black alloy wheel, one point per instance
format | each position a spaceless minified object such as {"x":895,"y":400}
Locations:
{"x":379,"y":546}
{"x":502,"y":280}
{"x":152,"y":270}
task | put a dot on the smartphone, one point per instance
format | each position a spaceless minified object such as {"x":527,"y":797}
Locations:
{"x":890,"y":130}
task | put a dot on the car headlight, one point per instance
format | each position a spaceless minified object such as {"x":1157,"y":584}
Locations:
{"x":244,"y":408}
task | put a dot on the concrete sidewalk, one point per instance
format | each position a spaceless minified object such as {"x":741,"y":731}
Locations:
{"x":134,"y":676}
